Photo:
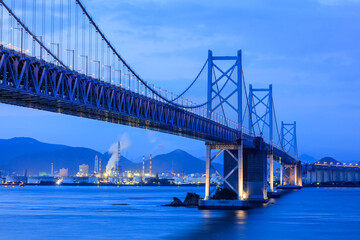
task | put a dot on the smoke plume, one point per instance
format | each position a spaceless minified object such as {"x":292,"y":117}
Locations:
{"x":113,"y":150}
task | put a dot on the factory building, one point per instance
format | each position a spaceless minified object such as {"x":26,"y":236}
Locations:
{"x":80,"y":180}
{"x":40,"y":180}
{"x":83,"y":170}
{"x":64,"y":172}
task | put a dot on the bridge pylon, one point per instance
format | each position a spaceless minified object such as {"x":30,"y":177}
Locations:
{"x":232,"y":177}
{"x":261,"y":120}
{"x":290,"y":174}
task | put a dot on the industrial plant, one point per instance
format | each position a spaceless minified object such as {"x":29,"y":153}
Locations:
{"x":113,"y":174}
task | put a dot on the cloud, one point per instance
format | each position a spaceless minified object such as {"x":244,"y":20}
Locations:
{"x":337,"y":2}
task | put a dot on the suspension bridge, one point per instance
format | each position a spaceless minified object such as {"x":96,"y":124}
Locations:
{"x":54,"y":57}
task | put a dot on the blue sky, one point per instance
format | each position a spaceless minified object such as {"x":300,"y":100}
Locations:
{"x":308,"y":49}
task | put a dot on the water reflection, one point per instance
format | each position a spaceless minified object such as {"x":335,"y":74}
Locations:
{"x":218,"y":224}
{"x":100,"y":213}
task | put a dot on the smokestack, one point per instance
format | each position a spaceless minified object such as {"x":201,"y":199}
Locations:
{"x":150,"y":164}
{"x":100,"y":165}
{"x":143,"y":169}
{"x":119,"y":156}
{"x":52,"y":169}
{"x":96,"y":168}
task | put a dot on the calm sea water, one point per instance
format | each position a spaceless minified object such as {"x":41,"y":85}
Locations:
{"x":89,"y":213}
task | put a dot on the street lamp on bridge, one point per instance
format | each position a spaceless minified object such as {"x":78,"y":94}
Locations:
{"x":108,"y":66}
{"x":58,"y":49}
{"x":98,"y":62}
{"x":22,"y":36}
{"x":119,"y":71}
{"x":73,"y":53}
{"x":86,"y":63}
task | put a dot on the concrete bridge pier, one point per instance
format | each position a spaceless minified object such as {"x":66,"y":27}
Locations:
{"x":255,"y":167}
{"x":232,"y":177}
{"x":244,"y":173}
{"x":271,"y":193}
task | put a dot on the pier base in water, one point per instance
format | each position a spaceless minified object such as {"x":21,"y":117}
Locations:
{"x":223,"y":204}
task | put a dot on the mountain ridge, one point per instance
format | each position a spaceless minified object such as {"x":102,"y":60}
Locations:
{"x":23,"y":153}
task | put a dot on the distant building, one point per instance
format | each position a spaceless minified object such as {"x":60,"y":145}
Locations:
{"x":40,"y":180}
{"x":64,"y":172}
{"x":83,"y":170}
{"x":16,"y":179}
{"x":80,"y":180}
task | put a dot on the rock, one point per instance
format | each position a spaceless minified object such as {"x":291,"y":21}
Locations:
{"x":175,"y":203}
{"x":224,"y":193}
{"x":191,"y":200}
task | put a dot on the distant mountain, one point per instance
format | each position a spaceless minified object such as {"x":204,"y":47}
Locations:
{"x":328,"y":160}
{"x":307,"y":158}
{"x":18,"y":154}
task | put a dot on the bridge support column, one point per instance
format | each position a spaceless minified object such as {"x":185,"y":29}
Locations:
{"x":232,"y":177}
{"x":271,"y":171}
{"x":208,"y":168}
{"x":256,"y":174}
{"x":281,"y":173}
{"x":272,"y":193}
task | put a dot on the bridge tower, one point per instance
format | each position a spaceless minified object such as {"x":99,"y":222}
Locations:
{"x":233,"y":174}
{"x":261,"y":125}
{"x":290,"y":174}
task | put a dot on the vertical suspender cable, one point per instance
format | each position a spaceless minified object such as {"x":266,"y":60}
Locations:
{"x":34,"y":27}
{"x":1,"y":25}
{"x":69,"y":32}
{"x":52,"y":24}
{"x":24,"y":20}
{"x":102,"y":58}
{"x":76,"y":36}
{"x":90,"y":47}
{"x":61,"y":26}
{"x":9,"y":29}
{"x":83,"y":44}
{"x":12,"y":23}
{"x":43,"y":23}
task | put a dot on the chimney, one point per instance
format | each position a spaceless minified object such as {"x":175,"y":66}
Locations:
{"x":119,"y":156}
{"x":150,"y":164}
{"x":96,"y":168}
{"x":143,"y":167}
